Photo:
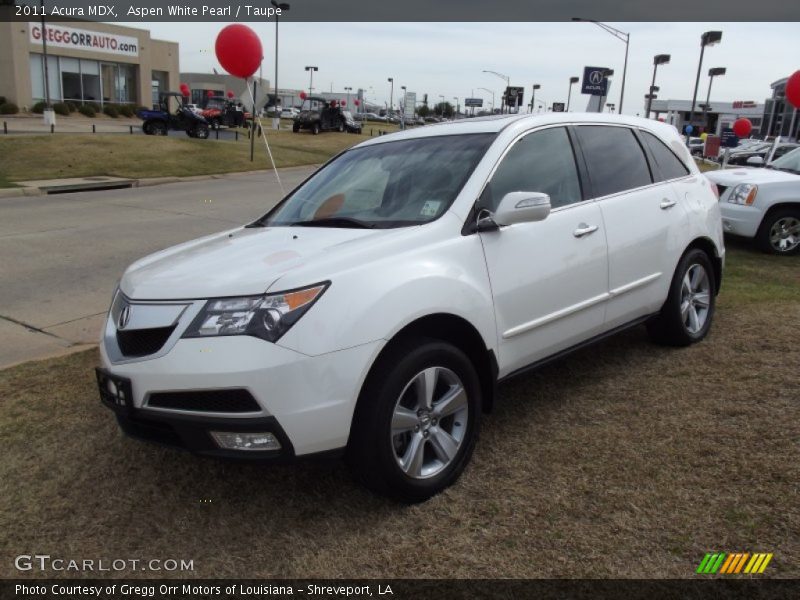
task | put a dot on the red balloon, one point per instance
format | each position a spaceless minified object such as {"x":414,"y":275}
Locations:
{"x":230,"y":94}
{"x":333,"y":103}
{"x":742,"y":127}
{"x":793,"y":89}
{"x":209,"y":93}
{"x":184,"y":89}
{"x":239,"y":50}
{"x":303,"y":96}
{"x":356,"y":102}
{"x":343,"y":102}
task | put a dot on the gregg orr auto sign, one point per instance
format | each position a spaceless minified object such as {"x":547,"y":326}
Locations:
{"x":59,"y":36}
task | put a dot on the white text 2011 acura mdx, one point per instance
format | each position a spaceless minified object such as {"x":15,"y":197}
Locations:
{"x":372,"y":311}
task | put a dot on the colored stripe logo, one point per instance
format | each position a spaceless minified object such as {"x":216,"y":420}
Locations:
{"x":734,"y":563}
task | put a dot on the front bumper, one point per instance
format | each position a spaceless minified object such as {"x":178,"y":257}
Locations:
{"x":306,"y":402}
{"x":740,"y":219}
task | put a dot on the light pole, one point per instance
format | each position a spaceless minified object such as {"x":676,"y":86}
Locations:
{"x":311,"y":79}
{"x":391,"y":94}
{"x":403,"y":109}
{"x":458,"y":106}
{"x":709,"y":38}
{"x":572,"y":81}
{"x":505,"y":78}
{"x":348,"y":90}
{"x":276,"y":121}
{"x":658,"y":59}
{"x":442,"y":105}
{"x":536,"y":86}
{"x":492,"y":93}
{"x":712,"y":72}
{"x":622,"y":36}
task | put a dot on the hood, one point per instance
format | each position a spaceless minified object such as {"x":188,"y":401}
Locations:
{"x":760,"y":176}
{"x":240,"y":262}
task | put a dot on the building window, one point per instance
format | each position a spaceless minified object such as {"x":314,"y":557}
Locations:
{"x":81,"y":80}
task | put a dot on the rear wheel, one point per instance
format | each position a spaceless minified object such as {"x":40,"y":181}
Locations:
{"x":296,"y":128}
{"x":201,"y":131}
{"x":341,"y":127}
{"x":157,"y":128}
{"x":315,"y":128}
{"x":780,"y":232}
{"x":417,"y":421}
{"x":686,"y":316}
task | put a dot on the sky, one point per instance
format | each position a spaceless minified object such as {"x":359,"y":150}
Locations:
{"x":448,"y":58}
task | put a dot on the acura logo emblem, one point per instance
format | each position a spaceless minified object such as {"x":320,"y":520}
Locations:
{"x":596,"y":77}
{"x":124,"y":316}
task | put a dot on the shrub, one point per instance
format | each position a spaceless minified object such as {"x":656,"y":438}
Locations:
{"x":111,"y":111}
{"x":61,"y":109}
{"x":87,"y":110}
{"x":38,"y":108}
{"x":8,"y":108}
{"x":94,"y":105}
{"x":127,"y":110}
{"x":3,"y":100}
{"x":71,"y":106}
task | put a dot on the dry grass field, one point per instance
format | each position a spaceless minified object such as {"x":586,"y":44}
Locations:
{"x":624,"y":460}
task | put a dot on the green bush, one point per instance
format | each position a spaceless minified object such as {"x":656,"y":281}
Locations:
{"x":111,"y":111}
{"x":87,"y":110}
{"x":72,"y":106}
{"x":94,"y":105}
{"x":8,"y":108}
{"x":127,"y":110}
{"x":38,"y":108}
{"x":3,"y":100}
{"x":61,"y":109}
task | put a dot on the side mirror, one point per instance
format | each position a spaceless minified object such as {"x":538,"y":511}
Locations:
{"x":522,"y":207}
{"x":756,"y":161}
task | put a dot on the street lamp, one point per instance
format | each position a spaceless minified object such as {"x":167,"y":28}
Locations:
{"x":492,"y":93}
{"x":712,"y":72}
{"x":610,"y":106}
{"x":403,"y":109}
{"x":442,"y":104}
{"x":709,"y":38}
{"x":276,"y":120}
{"x":505,"y":78}
{"x":458,"y":106}
{"x":572,"y":81}
{"x":536,"y":86}
{"x":658,"y":59}
{"x":391,"y":95}
{"x":311,"y":80}
{"x":622,"y":36}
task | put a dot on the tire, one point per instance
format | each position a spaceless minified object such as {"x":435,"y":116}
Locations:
{"x":315,"y":128}
{"x":146,"y":129}
{"x":686,"y":316}
{"x":215,"y":124}
{"x":779,"y":232}
{"x":296,"y":128}
{"x":444,"y":437}
{"x":341,"y":127}
{"x":157,"y":128}
{"x":201,"y":132}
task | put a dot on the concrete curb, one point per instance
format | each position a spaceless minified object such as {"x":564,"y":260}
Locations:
{"x":151,"y":181}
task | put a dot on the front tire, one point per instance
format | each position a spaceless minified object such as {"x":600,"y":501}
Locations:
{"x":315,"y":128}
{"x":686,"y":316}
{"x":417,"y":420}
{"x":779,"y":233}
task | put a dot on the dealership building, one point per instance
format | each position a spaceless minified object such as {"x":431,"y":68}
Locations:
{"x":86,"y":62}
{"x":718,"y":116}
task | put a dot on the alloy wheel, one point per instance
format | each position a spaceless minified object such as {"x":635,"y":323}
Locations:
{"x":429,"y":422}
{"x":784,"y":235}
{"x":695,"y":298}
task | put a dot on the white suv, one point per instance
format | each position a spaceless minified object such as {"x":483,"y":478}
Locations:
{"x":372,"y":311}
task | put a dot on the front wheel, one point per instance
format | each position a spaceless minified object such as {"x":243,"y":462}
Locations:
{"x":157,"y":128}
{"x":315,"y":128}
{"x":780,"y":232}
{"x":201,"y":132}
{"x":416,"y":423}
{"x":685,"y":317}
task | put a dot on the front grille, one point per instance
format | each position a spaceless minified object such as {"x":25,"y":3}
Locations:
{"x":142,"y":342}
{"x":221,"y":401}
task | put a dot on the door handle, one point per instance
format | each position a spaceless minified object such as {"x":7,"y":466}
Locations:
{"x":666,"y":203}
{"x":584,"y":229}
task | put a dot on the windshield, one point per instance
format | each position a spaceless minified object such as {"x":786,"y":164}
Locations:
{"x":391,"y":184}
{"x":789,"y":162}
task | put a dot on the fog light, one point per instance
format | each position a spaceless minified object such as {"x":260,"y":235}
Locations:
{"x":245,"y":441}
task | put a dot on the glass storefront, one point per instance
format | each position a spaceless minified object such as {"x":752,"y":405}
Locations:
{"x":81,"y":80}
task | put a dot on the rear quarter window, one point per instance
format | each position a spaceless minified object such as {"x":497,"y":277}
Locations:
{"x":668,"y":165}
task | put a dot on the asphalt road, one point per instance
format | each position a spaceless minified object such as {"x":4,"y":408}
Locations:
{"x":61,"y":255}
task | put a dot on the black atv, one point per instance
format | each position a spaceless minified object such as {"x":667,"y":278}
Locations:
{"x":172,"y":113}
{"x":320,"y":115}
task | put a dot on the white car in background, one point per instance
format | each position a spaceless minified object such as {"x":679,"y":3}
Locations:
{"x":763,"y":203}
{"x":372,"y":312}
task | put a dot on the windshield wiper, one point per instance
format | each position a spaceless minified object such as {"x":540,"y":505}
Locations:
{"x":335,"y":222}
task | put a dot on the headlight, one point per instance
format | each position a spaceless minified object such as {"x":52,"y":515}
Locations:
{"x":267,"y":317}
{"x":744,"y":193}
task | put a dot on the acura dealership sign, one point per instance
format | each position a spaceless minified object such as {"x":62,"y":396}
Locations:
{"x":59,"y":36}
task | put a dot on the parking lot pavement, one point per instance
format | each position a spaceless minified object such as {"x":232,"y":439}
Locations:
{"x":62,"y":254}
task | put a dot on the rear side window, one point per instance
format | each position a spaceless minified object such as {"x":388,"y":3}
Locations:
{"x":614,"y":158}
{"x":542,"y":161}
{"x":668,"y":164}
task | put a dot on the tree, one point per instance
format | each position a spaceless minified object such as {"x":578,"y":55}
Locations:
{"x":444,"y":109}
{"x":423,"y":111}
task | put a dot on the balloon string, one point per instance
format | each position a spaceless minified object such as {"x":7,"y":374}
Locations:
{"x":264,"y":135}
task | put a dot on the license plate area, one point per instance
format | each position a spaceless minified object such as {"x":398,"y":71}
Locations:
{"x":115,"y":392}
